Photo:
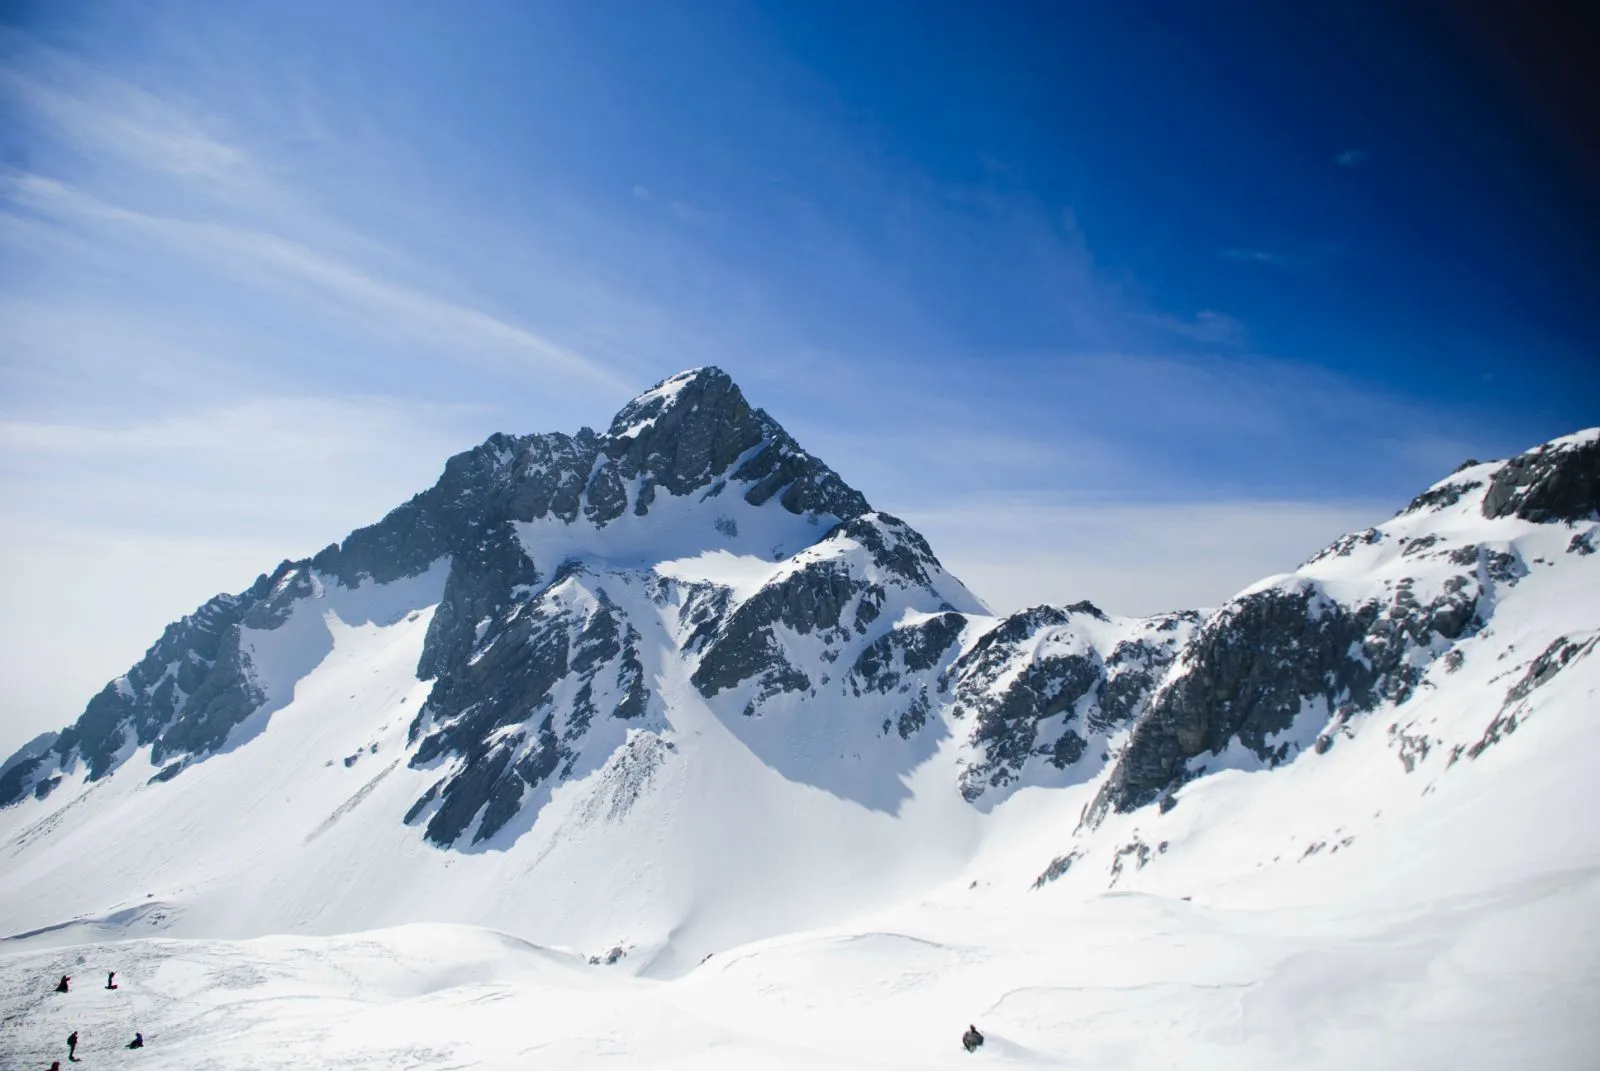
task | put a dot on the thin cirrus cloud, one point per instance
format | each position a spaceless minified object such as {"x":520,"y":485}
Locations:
{"x":104,"y":118}
{"x":384,"y":307}
{"x":109,"y":117}
{"x":1206,"y":326}
{"x":679,"y":210}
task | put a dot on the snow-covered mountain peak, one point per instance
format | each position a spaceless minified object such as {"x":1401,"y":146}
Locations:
{"x":676,"y":686}
{"x":695,"y":432}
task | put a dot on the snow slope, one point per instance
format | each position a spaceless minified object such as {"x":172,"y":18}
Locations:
{"x":704,"y":778}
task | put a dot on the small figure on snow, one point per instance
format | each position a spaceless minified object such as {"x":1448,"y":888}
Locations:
{"x":137,"y":1042}
{"x":61,"y":986}
{"x":55,"y":1065}
{"x":111,"y":979}
{"x":72,"y":1046}
{"x":971,"y":1039}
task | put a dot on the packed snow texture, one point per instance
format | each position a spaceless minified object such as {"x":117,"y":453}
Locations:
{"x":789,"y":880}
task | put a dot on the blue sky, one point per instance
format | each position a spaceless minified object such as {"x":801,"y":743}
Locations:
{"x":1135,"y":303}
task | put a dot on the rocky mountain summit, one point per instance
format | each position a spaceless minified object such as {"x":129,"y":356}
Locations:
{"x":586,"y":602}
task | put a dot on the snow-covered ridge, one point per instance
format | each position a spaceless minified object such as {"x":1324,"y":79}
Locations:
{"x":677,"y":687}
{"x":1292,"y":660}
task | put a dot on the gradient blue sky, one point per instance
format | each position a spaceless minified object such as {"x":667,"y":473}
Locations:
{"x":1132,"y":302}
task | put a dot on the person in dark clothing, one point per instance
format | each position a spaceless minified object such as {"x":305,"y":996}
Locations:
{"x":61,"y":986}
{"x":55,"y":1065}
{"x":971,"y":1039}
{"x":137,"y":1042}
{"x":111,"y":979}
{"x":72,"y":1045}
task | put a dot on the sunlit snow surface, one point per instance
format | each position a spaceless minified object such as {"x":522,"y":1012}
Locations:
{"x":1393,"y":902}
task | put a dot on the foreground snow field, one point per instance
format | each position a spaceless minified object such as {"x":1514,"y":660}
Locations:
{"x":1497,"y":979}
{"x":661,"y":748}
{"x":1407,"y":947}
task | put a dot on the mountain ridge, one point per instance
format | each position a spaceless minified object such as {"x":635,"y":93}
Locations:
{"x":621,"y":656}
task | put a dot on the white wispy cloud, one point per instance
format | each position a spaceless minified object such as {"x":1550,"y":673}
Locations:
{"x":679,"y":210}
{"x":1352,"y":158}
{"x":1207,"y":326}
{"x":102,"y":117}
{"x":387,"y":308}
{"x":237,"y":213}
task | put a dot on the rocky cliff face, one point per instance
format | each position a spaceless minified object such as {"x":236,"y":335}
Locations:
{"x":1285,"y":665}
{"x":1054,"y":684}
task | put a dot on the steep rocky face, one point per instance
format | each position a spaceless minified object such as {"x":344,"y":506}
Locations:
{"x":188,"y":690}
{"x":833,"y":594}
{"x":695,"y":432}
{"x":1052,"y":683}
{"x":534,"y":655}
{"x":1285,"y":666}
{"x":517,"y":710}
{"x":1559,"y":481}
{"x":1273,"y":656}
{"x":904,"y":662}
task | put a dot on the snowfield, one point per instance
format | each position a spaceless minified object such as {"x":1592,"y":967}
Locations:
{"x":892,"y":816}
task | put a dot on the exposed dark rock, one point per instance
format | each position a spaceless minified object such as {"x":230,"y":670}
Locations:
{"x":1412,"y":748}
{"x":909,"y":650}
{"x":1268,"y":656}
{"x":1058,"y":866}
{"x":1445,"y":494}
{"x":1420,"y":545}
{"x":827,"y":595}
{"x":1344,"y":545}
{"x":1138,"y":851}
{"x":1135,"y":667}
{"x":18,"y":779}
{"x":1008,"y":717}
{"x":1551,"y":661}
{"x":1047,"y":670}
{"x":1501,"y":566}
{"x":185,"y":695}
{"x":482,"y":584}
{"x":1554,"y":482}
{"x":570,"y":636}
{"x":694,"y":427}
